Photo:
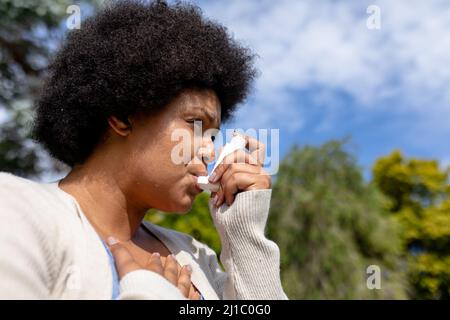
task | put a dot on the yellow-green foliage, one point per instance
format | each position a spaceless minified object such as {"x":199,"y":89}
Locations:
{"x":430,"y":273}
{"x":330,"y":226}
{"x":420,"y":200}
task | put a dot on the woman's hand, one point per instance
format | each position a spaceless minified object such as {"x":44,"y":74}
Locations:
{"x":241,"y":171}
{"x":180,"y":278}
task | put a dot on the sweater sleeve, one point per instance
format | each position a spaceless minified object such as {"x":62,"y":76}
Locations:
{"x":251,"y":261}
{"x":27,"y":262}
{"x":147,"y":285}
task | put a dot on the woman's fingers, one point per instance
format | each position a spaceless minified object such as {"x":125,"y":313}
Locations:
{"x":241,"y":171}
{"x":256,"y":148}
{"x":184,"y":280}
{"x":234,"y":181}
{"x":237,"y":177}
{"x":240,"y":177}
{"x":171,"y":270}
{"x":232,"y":184}
{"x":181,"y":279}
{"x":191,"y":291}
{"x":125,"y":263}
{"x":194,"y":295}
{"x":154,"y":264}
{"x":237,"y":157}
{"x":122,"y":257}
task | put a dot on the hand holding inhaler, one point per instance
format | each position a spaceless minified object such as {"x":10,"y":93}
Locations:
{"x":236,"y":143}
{"x":236,"y":170}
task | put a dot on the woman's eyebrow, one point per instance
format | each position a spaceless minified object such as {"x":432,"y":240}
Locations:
{"x":212,"y":117}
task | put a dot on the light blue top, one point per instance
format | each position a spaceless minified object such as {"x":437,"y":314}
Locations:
{"x":115,"y":276}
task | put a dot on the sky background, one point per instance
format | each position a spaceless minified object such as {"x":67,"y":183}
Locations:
{"x":325,"y":75}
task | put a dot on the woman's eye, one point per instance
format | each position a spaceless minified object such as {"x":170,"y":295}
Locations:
{"x":194,"y":120}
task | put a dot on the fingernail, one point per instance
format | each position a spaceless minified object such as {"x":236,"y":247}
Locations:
{"x":188,"y":268}
{"x":216,"y":197}
{"x":156,"y":255}
{"x":211,"y":177}
{"x":112,"y":241}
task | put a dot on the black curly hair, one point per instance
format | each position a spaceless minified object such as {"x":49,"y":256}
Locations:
{"x":135,"y":56}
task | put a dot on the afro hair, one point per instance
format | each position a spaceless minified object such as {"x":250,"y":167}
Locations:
{"x":131,"y":57}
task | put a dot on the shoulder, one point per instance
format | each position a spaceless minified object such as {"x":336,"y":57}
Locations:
{"x":15,"y":188}
{"x":37,"y":214}
{"x":7,"y":178}
{"x":29,"y":199}
{"x":10,"y":183}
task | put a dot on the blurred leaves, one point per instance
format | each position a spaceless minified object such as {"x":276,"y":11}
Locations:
{"x":420,"y":200}
{"x":330,"y":226}
{"x":28,"y":30}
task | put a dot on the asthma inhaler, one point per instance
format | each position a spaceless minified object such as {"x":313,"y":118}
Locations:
{"x":236,"y":143}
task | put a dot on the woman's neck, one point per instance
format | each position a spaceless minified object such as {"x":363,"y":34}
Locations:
{"x":105,"y":201}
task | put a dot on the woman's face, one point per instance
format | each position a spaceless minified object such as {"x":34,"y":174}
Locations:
{"x":160,"y":179}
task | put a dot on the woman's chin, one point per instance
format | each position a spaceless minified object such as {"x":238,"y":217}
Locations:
{"x":183,"y":205}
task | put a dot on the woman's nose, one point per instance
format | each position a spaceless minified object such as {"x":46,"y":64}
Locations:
{"x":207,"y":152}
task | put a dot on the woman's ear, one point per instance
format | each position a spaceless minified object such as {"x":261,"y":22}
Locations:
{"x":121,"y":127}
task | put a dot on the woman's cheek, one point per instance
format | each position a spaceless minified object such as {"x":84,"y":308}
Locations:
{"x":181,"y":203}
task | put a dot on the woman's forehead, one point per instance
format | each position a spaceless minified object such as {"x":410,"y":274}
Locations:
{"x":201,"y":100}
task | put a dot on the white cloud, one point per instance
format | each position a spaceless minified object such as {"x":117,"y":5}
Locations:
{"x":327,"y":44}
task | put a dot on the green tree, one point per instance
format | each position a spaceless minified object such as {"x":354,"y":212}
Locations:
{"x":27,"y":29}
{"x":30,"y":31}
{"x":197,"y":222}
{"x":419,"y":194}
{"x":330,"y":226}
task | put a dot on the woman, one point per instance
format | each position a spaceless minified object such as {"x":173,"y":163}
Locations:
{"x":117,"y":90}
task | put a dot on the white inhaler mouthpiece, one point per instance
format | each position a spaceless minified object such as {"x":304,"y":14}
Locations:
{"x":236,"y":143}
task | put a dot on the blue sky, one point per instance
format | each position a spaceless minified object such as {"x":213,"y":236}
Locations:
{"x":325,"y":75}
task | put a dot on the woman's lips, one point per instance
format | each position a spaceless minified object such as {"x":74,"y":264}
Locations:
{"x":196,"y":188}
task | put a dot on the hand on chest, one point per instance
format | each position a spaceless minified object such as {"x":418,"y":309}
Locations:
{"x":150,"y":253}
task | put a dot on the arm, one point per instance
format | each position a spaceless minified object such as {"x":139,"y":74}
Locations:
{"x":252,"y":261}
{"x":147,"y":285}
{"x":27,"y":262}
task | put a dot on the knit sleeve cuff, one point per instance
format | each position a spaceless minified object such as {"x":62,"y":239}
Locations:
{"x":251,"y":260}
{"x":249,"y":211}
{"x":147,"y":285}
